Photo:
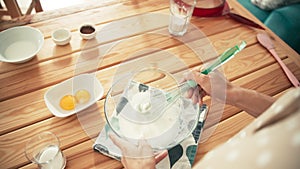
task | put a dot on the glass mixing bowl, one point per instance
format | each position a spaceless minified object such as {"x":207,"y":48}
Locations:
{"x":138,"y":106}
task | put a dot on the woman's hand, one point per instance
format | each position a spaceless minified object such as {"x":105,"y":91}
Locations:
{"x":137,"y":157}
{"x":218,"y":87}
{"x":214,"y":85}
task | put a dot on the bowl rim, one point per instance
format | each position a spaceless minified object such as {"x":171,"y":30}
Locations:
{"x":158,"y":148}
{"x":61,"y":29}
{"x":87,"y":24}
{"x":64,"y":40}
{"x":87,"y":36}
{"x":27,"y":58}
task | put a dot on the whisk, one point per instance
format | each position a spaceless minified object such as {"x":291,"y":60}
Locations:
{"x":173,"y":95}
{"x":162,"y":100}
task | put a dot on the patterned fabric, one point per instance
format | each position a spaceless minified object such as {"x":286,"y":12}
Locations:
{"x":180,"y":157}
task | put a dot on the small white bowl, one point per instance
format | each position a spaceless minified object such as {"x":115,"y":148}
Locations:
{"x":87,"y":31}
{"x":69,"y":87}
{"x":20,"y":44}
{"x":61,"y":36}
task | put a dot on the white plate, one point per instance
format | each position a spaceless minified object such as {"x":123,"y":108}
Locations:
{"x":69,"y":87}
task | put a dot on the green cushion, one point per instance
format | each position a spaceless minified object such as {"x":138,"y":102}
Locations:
{"x":284,"y":21}
{"x":260,"y":14}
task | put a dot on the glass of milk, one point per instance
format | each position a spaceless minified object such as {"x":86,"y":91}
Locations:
{"x":180,"y":15}
{"x":43,"y":150}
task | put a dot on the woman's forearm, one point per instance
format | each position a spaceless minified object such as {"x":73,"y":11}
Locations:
{"x":250,"y":101}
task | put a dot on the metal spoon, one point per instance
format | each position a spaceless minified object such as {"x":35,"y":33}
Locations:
{"x":265,"y":41}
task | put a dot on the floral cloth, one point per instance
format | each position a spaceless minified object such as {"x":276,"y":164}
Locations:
{"x":180,"y":156}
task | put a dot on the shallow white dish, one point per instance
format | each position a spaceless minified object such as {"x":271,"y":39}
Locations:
{"x":69,"y":87}
{"x":20,"y":44}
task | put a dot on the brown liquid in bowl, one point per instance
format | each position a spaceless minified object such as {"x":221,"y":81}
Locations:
{"x":87,"y":29}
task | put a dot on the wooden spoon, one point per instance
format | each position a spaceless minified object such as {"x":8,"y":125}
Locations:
{"x":265,"y":40}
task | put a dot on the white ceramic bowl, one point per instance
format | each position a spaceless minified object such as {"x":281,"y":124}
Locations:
{"x":61,"y":36}
{"x":87,"y":31}
{"x":87,"y":82}
{"x":20,"y":44}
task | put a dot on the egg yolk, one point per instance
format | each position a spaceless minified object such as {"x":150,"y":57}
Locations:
{"x":82,"y":96}
{"x":68,"y":102}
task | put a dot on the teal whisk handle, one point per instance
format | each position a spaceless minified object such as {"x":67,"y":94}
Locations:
{"x":223,"y":58}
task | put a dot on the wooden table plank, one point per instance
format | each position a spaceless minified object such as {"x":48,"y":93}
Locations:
{"x":219,"y":136}
{"x":72,"y":128}
{"x":51,"y":51}
{"x":44,"y":74}
{"x":12,"y":144}
{"x":100,"y":15}
{"x":89,"y":159}
{"x":225,"y":130}
{"x":34,"y":101}
{"x":23,"y":112}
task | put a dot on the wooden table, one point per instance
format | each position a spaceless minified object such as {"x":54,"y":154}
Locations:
{"x":23,"y":112}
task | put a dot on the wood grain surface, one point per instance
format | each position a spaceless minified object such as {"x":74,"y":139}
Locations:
{"x":129,"y":35}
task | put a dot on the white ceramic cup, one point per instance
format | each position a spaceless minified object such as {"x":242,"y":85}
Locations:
{"x":43,"y":150}
{"x":61,"y":36}
{"x":180,"y":15}
{"x":87,"y":31}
